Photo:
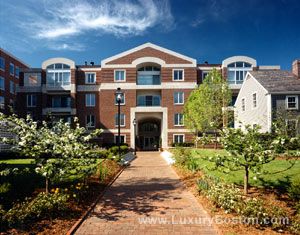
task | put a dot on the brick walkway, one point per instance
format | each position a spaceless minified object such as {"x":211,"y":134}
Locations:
{"x":149,"y":188}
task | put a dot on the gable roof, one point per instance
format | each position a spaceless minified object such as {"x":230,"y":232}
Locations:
{"x":277,"y":81}
{"x":151,"y":45}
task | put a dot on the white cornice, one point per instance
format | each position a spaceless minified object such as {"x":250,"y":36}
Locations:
{"x":105,"y":61}
{"x":233,"y":59}
{"x":50,"y":61}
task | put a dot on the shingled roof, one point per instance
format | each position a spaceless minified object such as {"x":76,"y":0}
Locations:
{"x":277,"y":80}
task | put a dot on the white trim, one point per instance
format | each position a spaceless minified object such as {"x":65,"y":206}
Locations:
{"x":142,"y":60}
{"x":296,"y":101}
{"x":269,"y":112}
{"x":120,"y":70}
{"x":182,"y":97}
{"x":58,"y":60}
{"x":179,"y":131}
{"x":86,"y":78}
{"x":182,"y":75}
{"x":209,"y":68}
{"x":134,"y":86}
{"x":269,"y":67}
{"x":145,"y":45}
{"x":233,"y":59}
{"x":182,"y":120}
{"x":253,"y":100}
{"x":90,"y":69}
{"x":123,"y":66}
{"x":115,"y":130}
{"x":179,"y":135}
{"x":116,"y":135}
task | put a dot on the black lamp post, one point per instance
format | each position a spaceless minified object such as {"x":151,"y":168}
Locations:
{"x":134,"y":126}
{"x":119,"y":95}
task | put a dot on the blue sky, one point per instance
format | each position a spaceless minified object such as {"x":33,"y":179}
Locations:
{"x":209,"y":30}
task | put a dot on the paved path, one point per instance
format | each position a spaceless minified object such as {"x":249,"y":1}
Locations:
{"x":149,"y":189}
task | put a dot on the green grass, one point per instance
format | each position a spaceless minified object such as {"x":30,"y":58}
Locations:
{"x":271,"y":179}
{"x":18,"y":161}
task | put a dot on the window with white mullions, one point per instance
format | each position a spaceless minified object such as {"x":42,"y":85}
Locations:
{"x":178,"y":119}
{"x":122,"y":119}
{"x":31,"y":100}
{"x":254,"y":100}
{"x":178,"y":74}
{"x":120,"y":75}
{"x":90,"y":121}
{"x":178,"y":138}
{"x":292,"y":102}
{"x":179,"y":97}
{"x":90,"y":100}
{"x":90,"y":78}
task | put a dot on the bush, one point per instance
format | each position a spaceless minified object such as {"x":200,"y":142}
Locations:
{"x":42,"y":206}
{"x":114,"y":151}
{"x":254,"y":208}
{"x":294,"y":189}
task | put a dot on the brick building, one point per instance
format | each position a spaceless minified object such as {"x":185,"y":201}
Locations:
{"x":156,"y":83}
{"x":10,"y":67}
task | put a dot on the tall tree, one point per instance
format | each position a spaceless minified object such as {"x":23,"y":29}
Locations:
{"x":206,"y":108}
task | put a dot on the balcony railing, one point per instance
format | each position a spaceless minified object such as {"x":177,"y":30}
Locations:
{"x":58,"y":84}
{"x":148,"y":100}
{"x":148,"y":80}
{"x":235,"y":82}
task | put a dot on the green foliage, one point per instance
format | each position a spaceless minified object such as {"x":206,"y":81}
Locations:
{"x":42,"y":206}
{"x":114,"y":151}
{"x":185,"y":144}
{"x":203,"y":109}
{"x":254,"y":208}
{"x":294,"y":189}
{"x":183,"y":157}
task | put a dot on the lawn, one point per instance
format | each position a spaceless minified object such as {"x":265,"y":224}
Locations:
{"x":271,"y":179}
{"x":20,"y":161}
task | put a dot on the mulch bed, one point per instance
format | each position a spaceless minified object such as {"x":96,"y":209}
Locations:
{"x":64,"y":223}
{"x":190,"y":179}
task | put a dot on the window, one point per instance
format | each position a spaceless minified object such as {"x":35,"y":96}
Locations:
{"x":58,"y":66}
{"x":178,"y":74}
{"x":90,"y":100}
{"x":254,"y":100}
{"x":2,"y":85}
{"x":148,"y":100}
{"x":1,"y":102}
{"x":120,"y":75}
{"x":90,"y":121}
{"x":243,"y":104}
{"x":12,"y":104}
{"x":122,"y":138}
{"x":237,"y":72}
{"x":204,"y":74}
{"x":122,"y":119}
{"x":179,"y":97}
{"x":178,"y":119}
{"x":17,"y":71}
{"x":12,"y":69}
{"x":12,"y":87}
{"x":291,"y":127}
{"x":61,"y":102}
{"x":2,"y":63}
{"x":90,"y":78}
{"x":31,"y":100}
{"x":32,"y":79}
{"x":178,"y":138}
{"x":122,"y":100}
{"x":292,"y":102}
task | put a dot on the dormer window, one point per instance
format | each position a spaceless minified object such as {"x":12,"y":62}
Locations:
{"x":237,"y":72}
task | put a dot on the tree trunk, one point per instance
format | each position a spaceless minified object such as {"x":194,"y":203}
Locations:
{"x":47,"y":185}
{"x":216,"y":140}
{"x":246,"y":180}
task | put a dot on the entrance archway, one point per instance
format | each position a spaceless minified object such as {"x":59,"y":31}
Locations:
{"x":148,"y":134}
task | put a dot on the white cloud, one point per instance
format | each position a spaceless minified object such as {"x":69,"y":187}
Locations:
{"x":65,"y":18}
{"x":66,"y":46}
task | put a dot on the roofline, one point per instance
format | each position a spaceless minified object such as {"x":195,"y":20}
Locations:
{"x":148,"y":44}
{"x":16,"y":58}
{"x":284,"y":92}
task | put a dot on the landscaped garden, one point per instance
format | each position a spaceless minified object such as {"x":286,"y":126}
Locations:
{"x":53,"y":176}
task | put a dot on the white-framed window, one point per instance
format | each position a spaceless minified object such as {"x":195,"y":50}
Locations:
{"x":204,"y":74}
{"x":291,"y":126}
{"x":90,"y":121}
{"x":237,"y":72}
{"x":122,"y":100}
{"x":17,"y":72}
{"x":122,"y":119}
{"x":90,"y":78}
{"x":2,"y":103}
{"x":243,"y":104}
{"x":12,"y":87}
{"x":178,"y":74}
{"x":120,"y":75}
{"x":178,"y":138}
{"x":2,"y":84}
{"x":2,"y":63}
{"x":31,"y":100}
{"x":291,"y":102}
{"x":12,"y":69}
{"x":90,"y":100}
{"x":254,"y":100}
{"x":178,"y":119}
{"x":122,"y":138}
{"x":178,"y":97}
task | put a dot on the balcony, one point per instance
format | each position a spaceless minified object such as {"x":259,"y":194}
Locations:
{"x":148,"y":100}
{"x":58,"y":81}
{"x":58,"y":86}
{"x":151,"y":77}
{"x":59,"y":110}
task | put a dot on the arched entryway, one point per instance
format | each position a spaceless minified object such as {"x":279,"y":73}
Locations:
{"x":148,"y":134}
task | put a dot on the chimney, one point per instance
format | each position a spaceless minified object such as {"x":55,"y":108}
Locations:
{"x":92,"y":63}
{"x":85,"y":62}
{"x":296,"y":68}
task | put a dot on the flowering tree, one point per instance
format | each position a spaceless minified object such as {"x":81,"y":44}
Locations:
{"x":59,"y":150}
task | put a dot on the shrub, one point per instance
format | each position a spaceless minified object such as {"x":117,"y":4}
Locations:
{"x":42,"y":206}
{"x":181,"y":155}
{"x":295,"y":226}
{"x":254,"y":208}
{"x":114,"y":151}
{"x":203,"y":185}
{"x":294,"y":189}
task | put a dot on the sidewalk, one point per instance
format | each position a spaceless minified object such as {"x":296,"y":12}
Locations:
{"x":147,"y":198}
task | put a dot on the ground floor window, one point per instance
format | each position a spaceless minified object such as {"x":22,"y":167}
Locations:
{"x":178,"y":138}
{"x":90,"y":121}
{"x":122,"y":139}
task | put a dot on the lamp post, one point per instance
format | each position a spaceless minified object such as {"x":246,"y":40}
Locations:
{"x":134,"y":126}
{"x":119,"y":95}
